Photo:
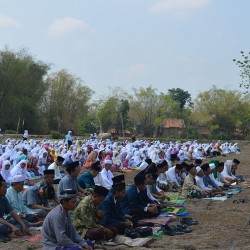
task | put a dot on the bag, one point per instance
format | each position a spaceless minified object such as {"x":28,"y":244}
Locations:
{"x":131,"y":233}
{"x":145,"y":231}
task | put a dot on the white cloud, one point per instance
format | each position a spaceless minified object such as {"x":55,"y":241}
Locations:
{"x":8,"y":22}
{"x":139,"y":69}
{"x":67,"y":25}
{"x":177,"y":5}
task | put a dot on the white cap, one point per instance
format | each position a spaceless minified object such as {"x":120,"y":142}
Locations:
{"x":17,"y":178}
{"x":212,"y":166}
{"x":108,"y":162}
{"x":198,"y":169}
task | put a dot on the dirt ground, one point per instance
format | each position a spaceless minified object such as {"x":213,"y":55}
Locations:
{"x":222,"y":224}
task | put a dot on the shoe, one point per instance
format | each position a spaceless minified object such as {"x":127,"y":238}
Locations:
{"x":131,"y":233}
{"x":183,"y":228}
{"x":170,"y":231}
{"x":189,"y":221}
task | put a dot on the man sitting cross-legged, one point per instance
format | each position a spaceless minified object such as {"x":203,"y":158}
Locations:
{"x":113,"y":214}
{"x":58,"y":231}
{"x":136,"y":201}
{"x":14,"y":225}
{"x":15,"y":198}
{"x":87,"y":217}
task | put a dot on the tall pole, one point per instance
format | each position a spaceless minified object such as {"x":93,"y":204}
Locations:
{"x":17,"y":128}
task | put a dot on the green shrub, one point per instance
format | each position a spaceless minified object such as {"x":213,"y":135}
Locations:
{"x":9,"y":131}
{"x":56,"y":135}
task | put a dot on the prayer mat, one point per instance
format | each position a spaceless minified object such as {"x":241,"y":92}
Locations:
{"x":31,"y":238}
{"x":159,"y":220}
{"x":124,"y":240}
{"x":138,"y":242}
{"x":175,"y":205}
{"x":222,"y":198}
{"x":127,"y":170}
{"x":173,"y":210}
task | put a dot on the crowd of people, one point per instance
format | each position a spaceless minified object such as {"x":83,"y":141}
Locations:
{"x":68,"y":186}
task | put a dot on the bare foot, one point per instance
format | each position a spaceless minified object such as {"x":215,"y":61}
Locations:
{"x":12,"y":235}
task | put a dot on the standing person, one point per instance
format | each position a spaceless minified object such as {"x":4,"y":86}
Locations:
{"x":25,"y":135}
{"x":69,"y":138}
{"x":56,"y":167}
{"x":58,"y":231}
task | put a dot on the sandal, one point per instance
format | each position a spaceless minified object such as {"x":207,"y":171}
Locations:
{"x":183,"y":228}
{"x":189,"y":221}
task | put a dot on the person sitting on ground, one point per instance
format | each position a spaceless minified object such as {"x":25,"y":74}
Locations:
{"x":15,"y":198}
{"x":212,"y":177}
{"x":21,"y":169}
{"x":5,"y":171}
{"x":58,"y":231}
{"x":70,"y":181}
{"x":154,"y":193}
{"x":219,"y":176}
{"x":13,"y":226}
{"x":105,"y":177}
{"x":189,"y":188}
{"x":37,"y":199}
{"x":136,"y":201}
{"x":208,"y":182}
{"x":48,"y":180}
{"x":91,"y":158}
{"x":86,"y":180}
{"x":199,"y":179}
{"x":162,"y":181}
{"x":56,"y":167}
{"x":176,"y":174}
{"x":43,"y":162}
{"x":113,"y":215}
{"x":228,"y":172}
{"x":87,"y":217}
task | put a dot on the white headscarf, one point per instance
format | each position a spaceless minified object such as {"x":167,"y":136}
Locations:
{"x":18,"y":170}
{"x":6,"y":172}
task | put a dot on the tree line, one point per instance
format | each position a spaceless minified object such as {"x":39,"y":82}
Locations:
{"x":33,"y":98}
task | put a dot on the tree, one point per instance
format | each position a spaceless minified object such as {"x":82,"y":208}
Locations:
{"x":143,"y":110}
{"x":180,"y":96}
{"x":244,"y":65}
{"x":66,"y":101}
{"x":22,"y":88}
{"x":223,"y":112}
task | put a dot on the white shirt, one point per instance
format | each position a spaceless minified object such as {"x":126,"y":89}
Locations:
{"x":56,"y":169}
{"x":173,"y":177}
{"x":200,"y":183}
{"x":104,"y":179}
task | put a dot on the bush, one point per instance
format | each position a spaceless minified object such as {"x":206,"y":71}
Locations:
{"x":9,"y":131}
{"x":56,"y":135}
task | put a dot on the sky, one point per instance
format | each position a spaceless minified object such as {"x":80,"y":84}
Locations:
{"x":187,"y":44}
